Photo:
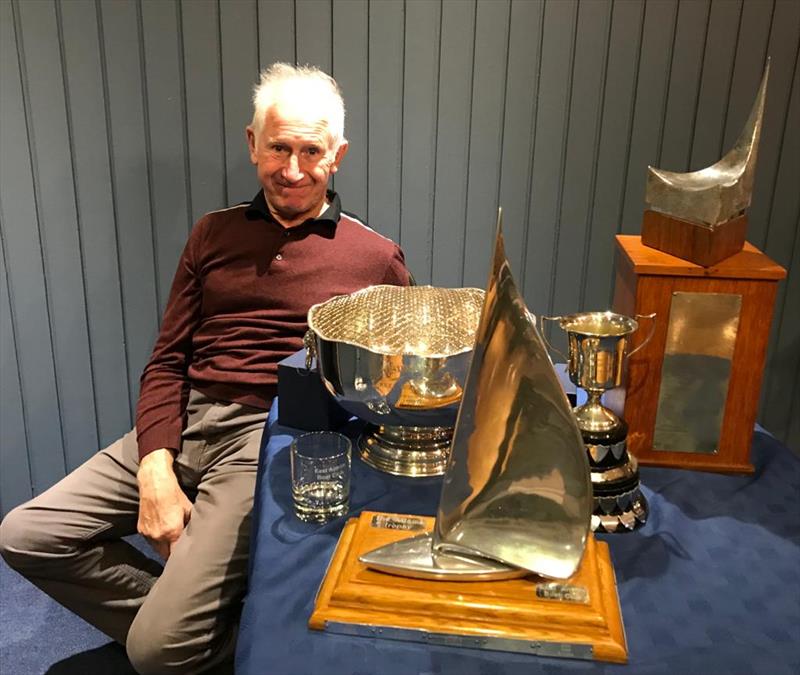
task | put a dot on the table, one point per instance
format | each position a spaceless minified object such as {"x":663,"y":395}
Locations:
{"x":711,"y":584}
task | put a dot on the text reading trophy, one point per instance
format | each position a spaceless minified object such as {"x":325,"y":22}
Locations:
{"x":509,"y":562}
{"x":598,"y":346}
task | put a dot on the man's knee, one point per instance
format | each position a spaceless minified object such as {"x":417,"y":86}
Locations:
{"x":157,"y":645}
{"x":19,"y":540}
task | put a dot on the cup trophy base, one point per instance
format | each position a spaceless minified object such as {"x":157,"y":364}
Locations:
{"x":619,"y":510}
{"x":575,"y":618}
{"x":619,"y":505}
{"x":406,"y":451}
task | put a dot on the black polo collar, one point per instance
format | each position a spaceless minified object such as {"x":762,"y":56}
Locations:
{"x":258,"y":209}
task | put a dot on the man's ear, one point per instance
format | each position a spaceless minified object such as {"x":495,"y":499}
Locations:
{"x":340,"y":153}
{"x":251,"y":142}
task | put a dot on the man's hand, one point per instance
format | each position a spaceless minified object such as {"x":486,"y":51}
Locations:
{"x":164,"y":509}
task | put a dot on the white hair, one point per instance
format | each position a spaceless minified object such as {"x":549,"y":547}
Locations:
{"x":282,"y":81}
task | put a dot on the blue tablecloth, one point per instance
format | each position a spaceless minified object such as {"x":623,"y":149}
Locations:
{"x":710,"y":585}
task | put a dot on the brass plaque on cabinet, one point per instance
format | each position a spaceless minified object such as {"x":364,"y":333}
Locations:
{"x":696,"y":371}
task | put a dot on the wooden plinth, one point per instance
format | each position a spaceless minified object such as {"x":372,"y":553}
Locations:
{"x":689,"y":241}
{"x":645,"y":282}
{"x":505,"y":615}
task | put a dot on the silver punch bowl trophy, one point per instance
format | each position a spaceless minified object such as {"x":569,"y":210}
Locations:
{"x":397,"y":357}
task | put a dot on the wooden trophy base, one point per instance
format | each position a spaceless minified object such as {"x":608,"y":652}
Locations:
{"x":575,"y":618}
{"x":650,"y":281}
{"x":690,"y":241}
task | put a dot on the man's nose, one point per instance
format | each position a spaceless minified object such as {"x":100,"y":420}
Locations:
{"x":291,"y":170}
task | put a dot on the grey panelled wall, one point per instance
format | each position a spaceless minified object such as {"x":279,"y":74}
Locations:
{"x":122,"y":121}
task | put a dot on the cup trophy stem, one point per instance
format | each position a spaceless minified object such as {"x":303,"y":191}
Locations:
{"x":593,"y":416}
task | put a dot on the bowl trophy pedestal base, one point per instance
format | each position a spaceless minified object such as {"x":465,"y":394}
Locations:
{"x":575,"y":618}
{"x":406,"y":451}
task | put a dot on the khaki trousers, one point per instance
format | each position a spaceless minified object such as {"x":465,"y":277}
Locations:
{"x":181,"y":618}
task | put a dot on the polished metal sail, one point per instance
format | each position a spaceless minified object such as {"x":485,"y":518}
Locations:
{"x":516,"y":493}
{"x":719,"y":192}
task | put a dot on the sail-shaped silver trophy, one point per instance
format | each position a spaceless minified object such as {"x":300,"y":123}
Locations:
{"x":516,"y":497}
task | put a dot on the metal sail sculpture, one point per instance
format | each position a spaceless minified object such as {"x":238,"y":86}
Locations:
{"x":517,"y":496}
{"x":716,"y":194}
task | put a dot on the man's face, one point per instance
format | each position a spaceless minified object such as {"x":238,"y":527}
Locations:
{"x":294,"y":155}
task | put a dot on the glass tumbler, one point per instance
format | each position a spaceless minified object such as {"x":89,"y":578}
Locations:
{"x":320,"y":475}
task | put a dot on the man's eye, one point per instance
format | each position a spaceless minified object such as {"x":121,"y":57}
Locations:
{"x":313,"y":151}
{"x":277,"y":147}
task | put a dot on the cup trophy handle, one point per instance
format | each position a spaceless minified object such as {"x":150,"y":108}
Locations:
{"x":547,"y":342}
{"x":652,"y":318}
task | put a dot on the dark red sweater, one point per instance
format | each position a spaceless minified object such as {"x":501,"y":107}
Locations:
{"x":239,"y":302}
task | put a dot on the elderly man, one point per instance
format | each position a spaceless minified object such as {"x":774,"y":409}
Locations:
{"x":185,"y":476}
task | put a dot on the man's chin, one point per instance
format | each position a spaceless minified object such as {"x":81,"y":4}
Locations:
{"x":290,"y":207}
{"x":288,"y":211}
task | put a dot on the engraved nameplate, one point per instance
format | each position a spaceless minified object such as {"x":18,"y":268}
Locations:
{"x":695,"y":374}
{"x":562,"y":592}
{"x":397,"y":522}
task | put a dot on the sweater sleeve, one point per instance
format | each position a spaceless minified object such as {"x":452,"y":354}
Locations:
{"x":396,"y":272}
{"x":164,"y":385}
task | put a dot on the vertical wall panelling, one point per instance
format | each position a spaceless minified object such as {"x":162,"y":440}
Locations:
{"x":782,"y":49}
{"x":313,"y":33}
{"x":580,"y":164}
{"x":715,"y":85}
{"x":782,"y":385}
{"x":648,"y":117}
{"x":385,"y":116}
{"x":86,"y":113}
{"x":685,"y":72}
{"x":612,"y":166}
{"x":748,"y":65}
{"x":782,"y":245}
{"x":548,"y":158}
{"x":350,"y":54}
{"x":160,"y":29}
{"x":522,"y":85}
{"x":792,"y":437}
{"x":456,"y":50}
{"x":122,"y":121}
{"x":204,"y":129}
{"x":15,"y":477}
{"x":486,"y":137}
{"x":54,"y":180}
{"x":123,"y":90}
{"x":419,"y":135}
{"x":790,"y":336}
{"x":26,"y":287}
{"x":239,"y":30}
{"x":275,"y":32}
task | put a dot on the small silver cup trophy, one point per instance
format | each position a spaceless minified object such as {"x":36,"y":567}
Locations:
{"x":598,"y":346}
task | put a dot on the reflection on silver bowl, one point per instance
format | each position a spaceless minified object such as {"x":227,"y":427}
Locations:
{"x":397,"y":357}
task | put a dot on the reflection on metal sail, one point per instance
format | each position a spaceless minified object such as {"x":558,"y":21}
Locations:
{"x":719,"y":192}
{"x":517,"y":488}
